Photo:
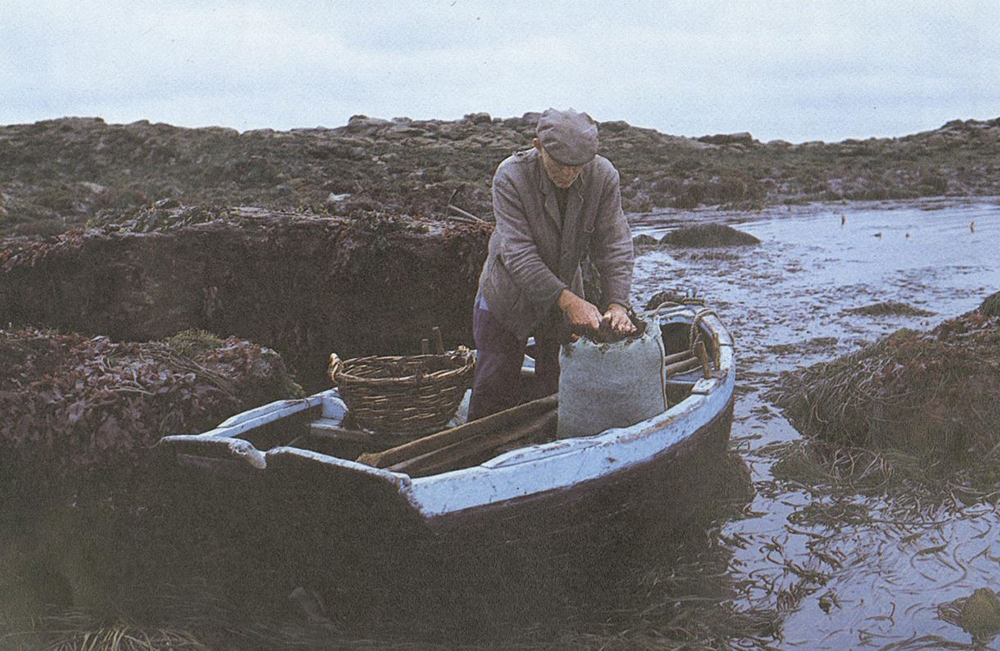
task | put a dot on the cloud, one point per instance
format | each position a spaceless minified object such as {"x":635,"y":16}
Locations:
{"x":778,"y":69}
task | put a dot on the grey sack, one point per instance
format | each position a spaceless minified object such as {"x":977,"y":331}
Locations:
{"x":604,"y":385}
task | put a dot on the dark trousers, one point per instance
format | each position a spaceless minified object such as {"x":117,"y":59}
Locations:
{"x":499,"y":356}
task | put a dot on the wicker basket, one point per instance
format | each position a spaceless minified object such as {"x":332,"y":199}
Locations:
{"x":403,"y":395}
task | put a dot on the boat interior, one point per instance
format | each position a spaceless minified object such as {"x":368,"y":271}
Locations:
{"x":691,"y":355}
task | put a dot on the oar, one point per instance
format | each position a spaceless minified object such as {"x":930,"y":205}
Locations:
{"x":456,"y":454}
{"x":499,"y":421}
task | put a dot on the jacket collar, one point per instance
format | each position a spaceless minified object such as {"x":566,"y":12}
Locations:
{"x":574,"y":202}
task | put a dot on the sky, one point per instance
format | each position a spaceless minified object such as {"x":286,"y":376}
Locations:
{"x":793,"y":70}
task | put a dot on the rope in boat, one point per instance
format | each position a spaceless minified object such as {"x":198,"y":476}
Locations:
{"x":694,"y":333}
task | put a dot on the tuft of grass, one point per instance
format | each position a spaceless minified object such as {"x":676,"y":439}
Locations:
{"x":70,"y":633}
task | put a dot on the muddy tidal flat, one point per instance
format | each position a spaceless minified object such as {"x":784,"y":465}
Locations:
{"x":843,"y":567}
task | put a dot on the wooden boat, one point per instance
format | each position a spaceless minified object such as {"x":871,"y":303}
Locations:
{"x":304,"y":450}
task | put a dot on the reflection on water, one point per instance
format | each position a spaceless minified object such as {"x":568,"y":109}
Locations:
{"x":792,"y":564}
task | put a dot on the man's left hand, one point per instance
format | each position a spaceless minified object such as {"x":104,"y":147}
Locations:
{"x":618,"y":317}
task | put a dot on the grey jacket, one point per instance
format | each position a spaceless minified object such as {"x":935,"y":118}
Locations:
{"x":532,"y":258}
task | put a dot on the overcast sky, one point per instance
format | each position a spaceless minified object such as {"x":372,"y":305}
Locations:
{"x":796,"y":70}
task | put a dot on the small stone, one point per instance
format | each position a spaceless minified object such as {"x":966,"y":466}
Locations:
{"x":169,"y":202}
{"x":96,"y":188}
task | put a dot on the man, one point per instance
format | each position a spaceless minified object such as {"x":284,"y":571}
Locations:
{"x":552,"y":204}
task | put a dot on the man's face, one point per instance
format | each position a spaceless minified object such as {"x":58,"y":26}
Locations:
{"x":562,"y":176}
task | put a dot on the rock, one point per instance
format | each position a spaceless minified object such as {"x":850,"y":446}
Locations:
{"x":95,"y":188}
{"x":519,"y":124}
{"x":169,"y":202}
{"x":693,"y":144}
{"x":479,"y":118}
{"x":613,"y":126}
{"x":743,"y":138}
{"x":935,"y":393}
{"x":402,"y":130}
{"x":364,"y":125}
{"x":372,"y":157}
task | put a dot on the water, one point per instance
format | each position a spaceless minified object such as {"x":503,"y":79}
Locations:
{"x":872,"y":581}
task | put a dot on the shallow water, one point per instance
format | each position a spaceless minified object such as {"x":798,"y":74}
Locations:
{"x":871,"y":581}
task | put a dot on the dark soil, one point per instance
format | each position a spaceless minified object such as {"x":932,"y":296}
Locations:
{"x":607,"y":335}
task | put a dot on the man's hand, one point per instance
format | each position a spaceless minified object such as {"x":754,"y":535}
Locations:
{"x":618,"y":317}
{"x":580,"y":314}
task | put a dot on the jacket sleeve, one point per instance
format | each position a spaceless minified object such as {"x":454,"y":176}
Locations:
{"x":518,"y":250}
{"x":611,"y":245}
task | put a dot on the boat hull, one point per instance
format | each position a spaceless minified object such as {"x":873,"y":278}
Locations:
{"x":665,"y":484}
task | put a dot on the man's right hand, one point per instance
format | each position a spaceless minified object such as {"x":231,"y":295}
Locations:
{"x":581,"y":314}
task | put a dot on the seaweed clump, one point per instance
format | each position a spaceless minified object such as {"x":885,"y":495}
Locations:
{"x":933,"y":393}
{"x":978,"y":614}
{"x":75,"y":405}
{"x":605,"y":334}
{"x":888,"y":308}
{"x":991,"y":306}
{"x":708,"y":236}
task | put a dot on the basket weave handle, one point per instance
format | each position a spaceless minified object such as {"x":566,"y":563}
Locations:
{"x":336,"y":366}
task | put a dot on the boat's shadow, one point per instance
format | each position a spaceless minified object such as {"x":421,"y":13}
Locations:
{"x":586,"y":562}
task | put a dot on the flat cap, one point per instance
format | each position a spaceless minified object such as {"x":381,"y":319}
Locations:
{"x":568,"y":136}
